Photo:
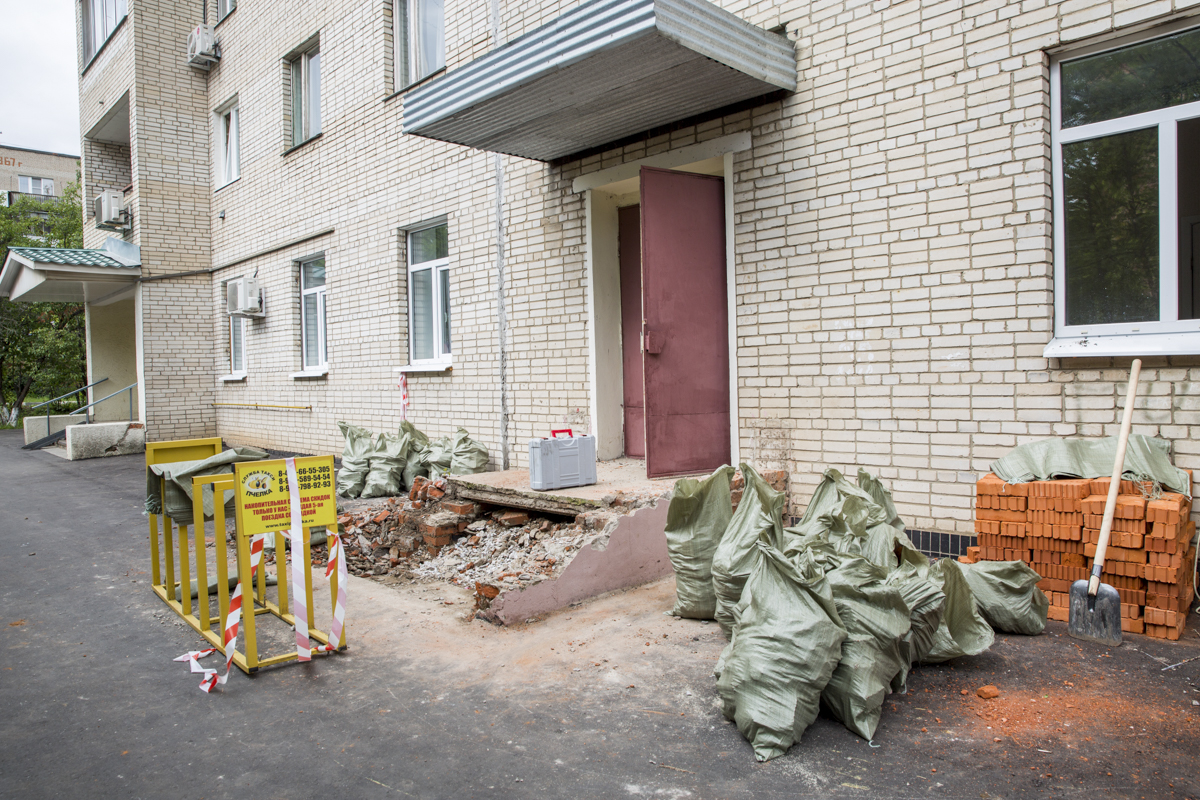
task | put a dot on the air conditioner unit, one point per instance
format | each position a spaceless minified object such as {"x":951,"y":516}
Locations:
{"x":203,"y":50}
{"x":244,"y":298}
{"x":110,"y":210}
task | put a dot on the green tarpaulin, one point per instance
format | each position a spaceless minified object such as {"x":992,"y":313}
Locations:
{"x":178,"y":476}
{"x":1146,"y":458}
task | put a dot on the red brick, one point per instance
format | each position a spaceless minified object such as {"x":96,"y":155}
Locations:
{"x":511,"y":519}
{"x":433,"y":492}
{"x":418,"y":484}
{"x":464,"y":507}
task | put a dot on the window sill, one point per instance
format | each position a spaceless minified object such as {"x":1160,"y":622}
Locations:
{"x":434,"y":366}
{"x":296,"y":147}
{"x":227,"y":183}
{"x":311,"y":372}
{"x":1130,"y":345}
{"x":404,"y":89}
{"x":237,"y":376}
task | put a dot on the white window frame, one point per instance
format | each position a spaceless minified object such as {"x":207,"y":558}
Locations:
{"x":237,"y":344}
{"x":1168,"y":335}
{"x":306,"y":71}
{"x":228,"y":130}
{"x":406,"y":35}
{"x":100,"y":19}
{"x":224,"y":8}
{"x":26,"y":185}
{"x":322,"y":365}
{"x":440,"y":267}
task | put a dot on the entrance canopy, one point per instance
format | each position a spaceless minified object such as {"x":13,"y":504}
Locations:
{"x":46,"y":274}
{"x":606,"y":70}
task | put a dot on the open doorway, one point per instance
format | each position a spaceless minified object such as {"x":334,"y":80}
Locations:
{"x":662,"y":319}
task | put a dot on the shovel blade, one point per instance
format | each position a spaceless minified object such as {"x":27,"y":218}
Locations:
{"x":1096,"y":619}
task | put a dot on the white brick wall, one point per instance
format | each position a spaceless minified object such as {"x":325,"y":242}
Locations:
{"x":892,"y":236}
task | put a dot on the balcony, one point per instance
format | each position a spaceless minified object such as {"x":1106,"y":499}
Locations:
{"x":13,"y":197}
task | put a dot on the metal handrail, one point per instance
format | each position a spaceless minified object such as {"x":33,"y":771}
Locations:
{"x":128,"y":388}
{"x":68,"y":394}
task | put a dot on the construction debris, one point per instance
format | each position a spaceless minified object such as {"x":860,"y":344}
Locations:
{"x":835,"y":610}
{"x":384,"y":466}
{"x":434,"y":536}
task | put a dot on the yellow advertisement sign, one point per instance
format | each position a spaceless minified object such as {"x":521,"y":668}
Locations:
{"x":264,"y":497}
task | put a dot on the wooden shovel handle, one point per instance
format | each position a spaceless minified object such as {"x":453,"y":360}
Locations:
{"x":1114,"y":486}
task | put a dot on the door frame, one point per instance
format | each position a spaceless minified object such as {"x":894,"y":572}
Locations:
{"x":604,"y":191}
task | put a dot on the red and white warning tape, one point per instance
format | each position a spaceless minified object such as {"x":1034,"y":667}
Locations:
{"x":299,"y":577}
{"x":211,"y":676}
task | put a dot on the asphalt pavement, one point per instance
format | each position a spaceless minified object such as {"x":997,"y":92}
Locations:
{"x":94,"y":706}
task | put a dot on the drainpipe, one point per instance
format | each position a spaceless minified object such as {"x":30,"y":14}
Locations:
{"x":501,"y":313}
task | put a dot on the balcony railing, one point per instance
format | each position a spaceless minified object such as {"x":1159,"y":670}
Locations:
{"x":13,"y":197}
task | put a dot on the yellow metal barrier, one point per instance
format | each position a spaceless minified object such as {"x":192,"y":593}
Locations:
{"x":185,"y":551}
{"x":162,"y":540}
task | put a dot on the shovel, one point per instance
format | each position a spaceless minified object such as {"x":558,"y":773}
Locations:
{"x":1096,"y":606}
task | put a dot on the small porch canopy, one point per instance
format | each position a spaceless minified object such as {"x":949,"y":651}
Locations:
{"x":46,"y":274}
{"x":599,"y":73}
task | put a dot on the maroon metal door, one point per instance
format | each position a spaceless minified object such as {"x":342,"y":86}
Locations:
{"x":686,"y":333}
{"x":629,"y":232}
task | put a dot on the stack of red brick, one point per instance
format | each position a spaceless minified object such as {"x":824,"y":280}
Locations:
{"x":1054,"y":527}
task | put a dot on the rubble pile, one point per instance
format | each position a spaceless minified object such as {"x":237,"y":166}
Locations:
{"x":434,"y":536}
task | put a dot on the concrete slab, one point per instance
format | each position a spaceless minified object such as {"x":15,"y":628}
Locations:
{"x":511,"y":488}
{"x":631,"y":552}
{"x":36,"y":428}
{"x":105,"y":439}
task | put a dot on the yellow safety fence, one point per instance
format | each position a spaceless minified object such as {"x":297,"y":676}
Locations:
{"x":174,"y":551}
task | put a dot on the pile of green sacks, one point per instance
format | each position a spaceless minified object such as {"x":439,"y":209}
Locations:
{"x":387,"y":464}
{"x":833,"y":611}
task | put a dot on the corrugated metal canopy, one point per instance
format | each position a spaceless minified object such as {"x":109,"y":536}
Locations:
{"x":68,"y":257}
{"x":606,"y":70}
{"x":51,"y":274}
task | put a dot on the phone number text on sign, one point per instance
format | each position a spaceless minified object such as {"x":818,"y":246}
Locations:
{"x":264,"y":500}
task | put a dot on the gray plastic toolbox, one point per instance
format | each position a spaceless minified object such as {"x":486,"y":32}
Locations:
{"x":562,"y":462}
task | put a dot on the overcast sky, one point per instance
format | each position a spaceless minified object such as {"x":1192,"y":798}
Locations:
{"x":39,"y":81}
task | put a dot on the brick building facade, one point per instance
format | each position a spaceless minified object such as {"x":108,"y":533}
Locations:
{"x":891,"y":231}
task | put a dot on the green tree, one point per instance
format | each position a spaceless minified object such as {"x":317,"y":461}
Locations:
{"x":42,"y":348}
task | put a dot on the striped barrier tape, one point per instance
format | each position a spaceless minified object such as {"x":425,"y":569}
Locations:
{"x":299,"y":577}
{"x":211,"y":676}
{"x":337,"y":561}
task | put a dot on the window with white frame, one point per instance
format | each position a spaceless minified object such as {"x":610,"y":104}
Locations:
{"x":306,"y":95}
{"x":224,"y":7}
{"x":1126,"y":148}
{"x":312,"y":314}
{"x":100,"y":19}
{"x":429,"y":295}
{"x":30,"y":185}
{"x":419,"y":34}
{"x":229,"y":156}
{"x":237,"y":346}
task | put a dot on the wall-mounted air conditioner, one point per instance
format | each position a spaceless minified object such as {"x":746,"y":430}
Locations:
{"x":244,"y":298}
{"x":203,"y":50}
{"x":110,"y":210}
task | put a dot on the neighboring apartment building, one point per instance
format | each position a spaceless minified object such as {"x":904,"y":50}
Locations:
{"x":903,"y":235}
{"x":34,"y":172}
